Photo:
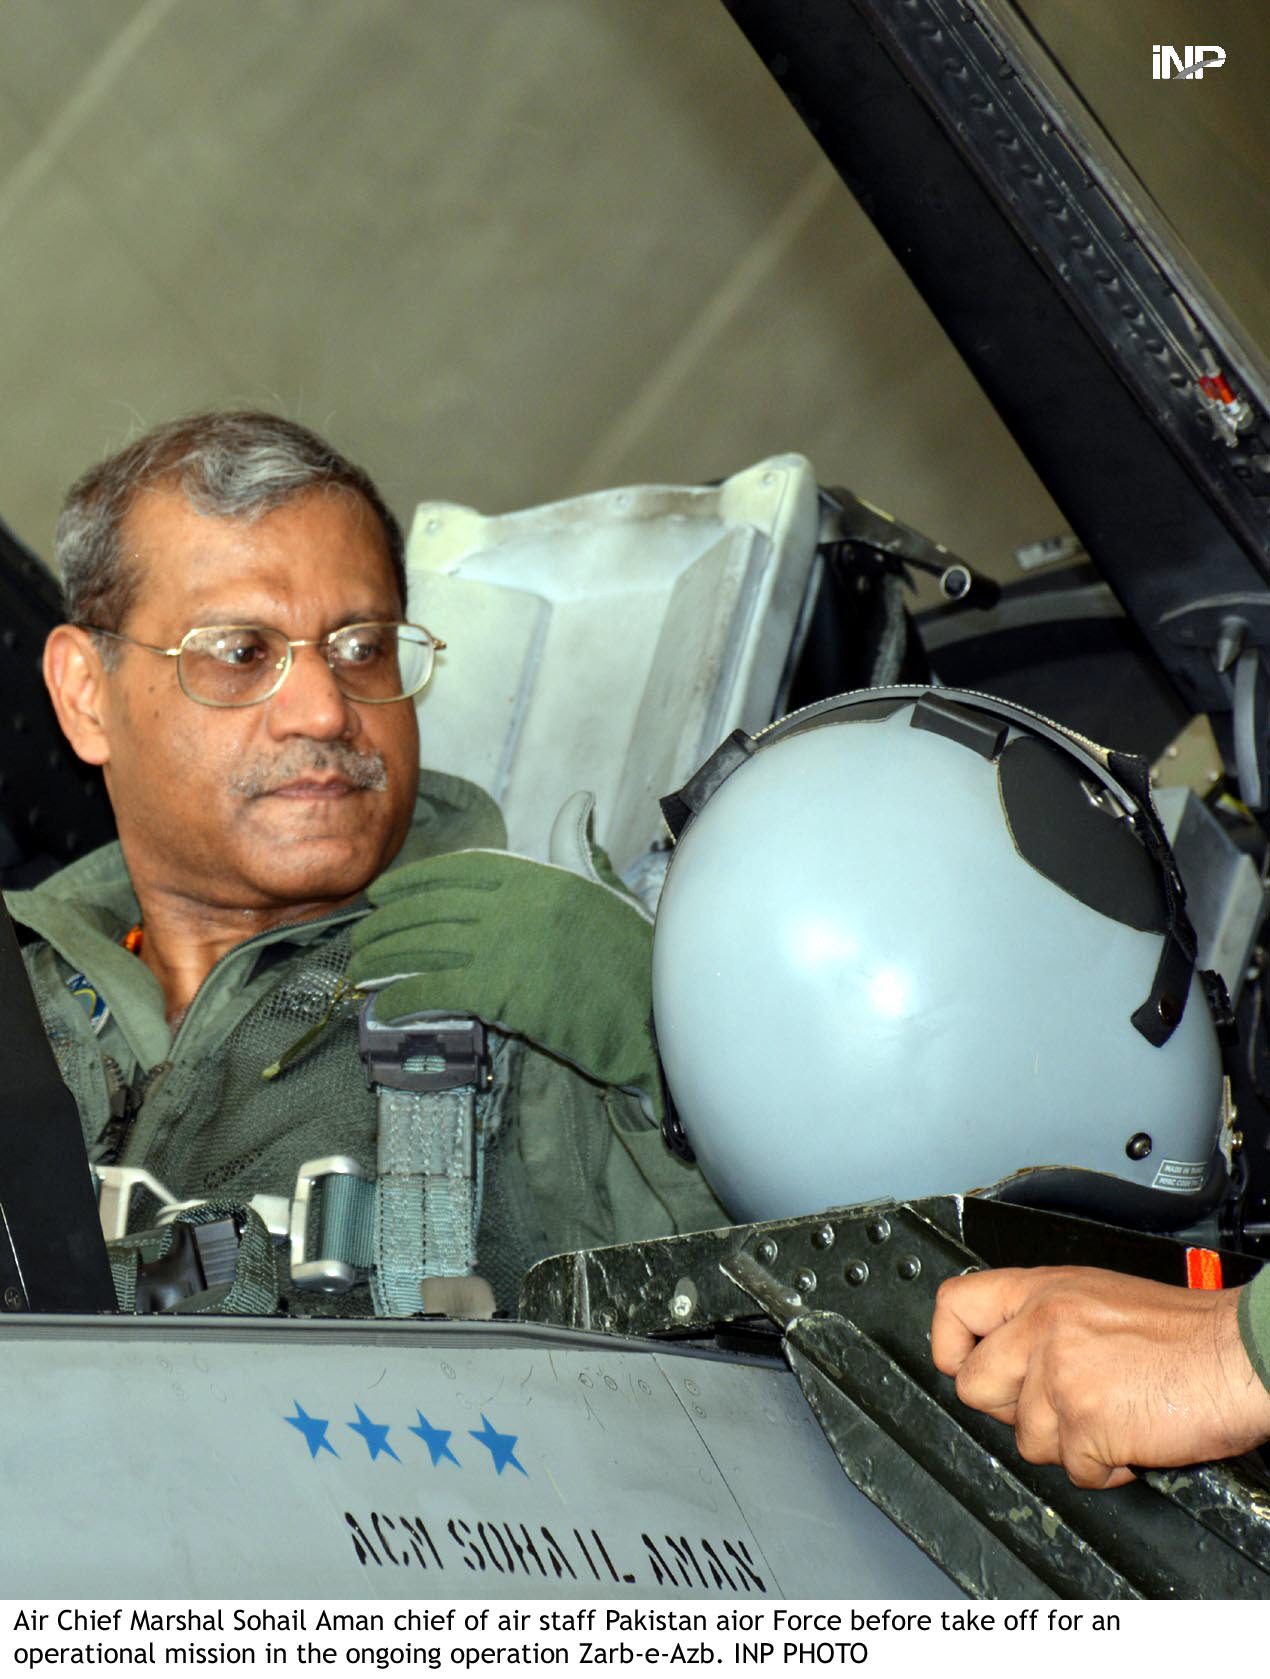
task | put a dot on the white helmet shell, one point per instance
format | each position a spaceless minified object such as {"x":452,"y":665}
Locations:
{"x":866,"y":984}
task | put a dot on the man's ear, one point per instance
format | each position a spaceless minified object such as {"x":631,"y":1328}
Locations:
{"x":75,"y":680}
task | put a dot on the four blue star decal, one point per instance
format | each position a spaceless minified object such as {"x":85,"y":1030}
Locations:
{"x":313,"y":1429}
{"x":375,"y":1434}
{"x":501,"y":1447}
{"x":437,"y":1440}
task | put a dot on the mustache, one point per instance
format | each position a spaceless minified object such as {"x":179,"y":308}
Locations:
{"x":363,"y":770}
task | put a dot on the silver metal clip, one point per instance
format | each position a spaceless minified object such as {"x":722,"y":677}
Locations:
{"x":115,"y":1187}
{"x":323,"y":1275}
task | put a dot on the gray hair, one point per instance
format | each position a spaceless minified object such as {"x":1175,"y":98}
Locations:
{"x":235,"y":465}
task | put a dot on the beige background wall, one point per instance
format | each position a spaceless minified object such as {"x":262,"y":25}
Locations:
{"x":500,"y":250}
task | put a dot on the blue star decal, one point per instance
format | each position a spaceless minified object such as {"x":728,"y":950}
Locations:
{"x":437,"y":1440}
{"x":501,"y":1447}
{"x":375,"y":1434}
{"x":313,"y":1429}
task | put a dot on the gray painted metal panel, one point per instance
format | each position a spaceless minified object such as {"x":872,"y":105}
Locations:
{"x":211,"y":1458}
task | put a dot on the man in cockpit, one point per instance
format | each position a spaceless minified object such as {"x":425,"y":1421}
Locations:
{"x":235,"y":658}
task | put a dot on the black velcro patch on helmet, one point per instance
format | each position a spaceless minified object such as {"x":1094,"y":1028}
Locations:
{"x":1057,"y":827}
{"x":967,"y":725}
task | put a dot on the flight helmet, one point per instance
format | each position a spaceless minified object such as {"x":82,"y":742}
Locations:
{"x":917,"y":941}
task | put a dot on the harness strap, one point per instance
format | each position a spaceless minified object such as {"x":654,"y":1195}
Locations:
{"x":427,"y":1195}
{"x":331,"y":1215}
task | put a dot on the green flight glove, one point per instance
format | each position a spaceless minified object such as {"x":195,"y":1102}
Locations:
{"x":531,"y":948}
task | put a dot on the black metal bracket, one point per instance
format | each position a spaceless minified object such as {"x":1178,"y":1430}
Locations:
{"x":852,"y":1292}
{"x":424,"y":1052}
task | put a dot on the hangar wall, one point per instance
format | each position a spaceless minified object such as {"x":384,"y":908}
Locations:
{"x":499,"y":252}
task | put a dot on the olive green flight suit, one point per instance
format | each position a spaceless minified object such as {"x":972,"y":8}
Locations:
{"x":570,"y":1164}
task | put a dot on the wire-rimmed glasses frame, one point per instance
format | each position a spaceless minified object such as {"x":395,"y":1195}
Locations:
{"x":278,"y":650}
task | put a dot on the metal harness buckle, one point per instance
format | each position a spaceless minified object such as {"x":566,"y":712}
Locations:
{"x":115,"y":1188}
{"x":424,"y":1051}
{"x":324,"y":1274}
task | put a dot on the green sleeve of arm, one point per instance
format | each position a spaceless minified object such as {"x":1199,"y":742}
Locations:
{"x":1254,"y":1323}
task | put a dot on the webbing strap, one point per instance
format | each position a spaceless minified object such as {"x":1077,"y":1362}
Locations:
{"x":346,"y":1218}
{"x":254,"y":1289}
{"x":427,"y":1195}
{"x":123,"y":1273}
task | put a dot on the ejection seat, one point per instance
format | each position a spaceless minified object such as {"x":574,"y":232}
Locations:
{"x":609,"y":643}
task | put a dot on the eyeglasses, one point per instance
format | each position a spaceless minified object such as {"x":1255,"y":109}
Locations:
{"x":243,"y":664}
